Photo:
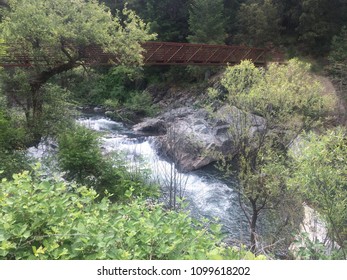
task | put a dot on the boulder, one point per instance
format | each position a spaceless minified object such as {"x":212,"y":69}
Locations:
{"x":153,"y":126}
{"x":193,"y":139}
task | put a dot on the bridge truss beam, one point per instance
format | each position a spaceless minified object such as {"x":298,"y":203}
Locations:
{"x":162,"y":53}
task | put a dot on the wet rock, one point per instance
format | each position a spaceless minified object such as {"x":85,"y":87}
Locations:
{"x":193,"y":139}
{"x":153,"y":126}
{"x":109,"y":113}
{"x":98,"y":110}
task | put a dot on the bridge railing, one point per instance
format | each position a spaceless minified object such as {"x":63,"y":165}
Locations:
{"x":158,"y":53}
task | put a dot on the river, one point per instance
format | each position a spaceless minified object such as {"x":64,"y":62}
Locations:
{"x":205,"y":195}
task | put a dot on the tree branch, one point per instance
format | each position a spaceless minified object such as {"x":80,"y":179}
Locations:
{"x":44,"y":76}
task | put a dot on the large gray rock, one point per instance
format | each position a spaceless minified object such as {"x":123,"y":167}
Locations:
{"x":159,"y":125}
{"x":152,"y":126}
{"x":193,"y":139}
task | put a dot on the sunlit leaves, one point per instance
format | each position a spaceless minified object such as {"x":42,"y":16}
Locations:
{"x":42,"y":219}
{"x":57,"y":31}
{"x":320,"y":175}
{"x":287,"y":96}
{"x":275,"y":105}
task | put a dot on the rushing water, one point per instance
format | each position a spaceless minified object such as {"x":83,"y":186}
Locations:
{"x":206,"y":196}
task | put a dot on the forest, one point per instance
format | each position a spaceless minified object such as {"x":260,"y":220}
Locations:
{"x":274,"y":136}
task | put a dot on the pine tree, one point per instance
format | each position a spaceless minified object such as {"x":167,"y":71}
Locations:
{"x":319,"y":21}
{"x":207,"y":22}
{"x":259,"y":23}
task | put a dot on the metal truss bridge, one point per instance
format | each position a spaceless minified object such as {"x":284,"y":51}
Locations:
{"x":166,"y":53}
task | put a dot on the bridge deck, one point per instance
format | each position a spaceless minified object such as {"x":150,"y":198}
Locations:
{"x":166,"y":53}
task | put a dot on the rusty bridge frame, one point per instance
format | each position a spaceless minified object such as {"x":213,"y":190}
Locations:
{"x":167,"y":53}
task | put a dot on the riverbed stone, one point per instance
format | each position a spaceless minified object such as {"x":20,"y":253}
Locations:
{"x":151,"y":125}
{"x":194,"y":138}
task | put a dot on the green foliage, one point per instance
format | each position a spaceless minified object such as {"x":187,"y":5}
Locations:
{"x":337,"y":67}
{"x":12,"y":140}
{"x":79,"y":153}
{"x":169,"y":19}
{"x":141,"y":103}
{"x":119,"y":81}
{"x":231,"y":8}
{"x":12,"y":161}
{"x":308,"y":249}
{"x":116,"y":90}
{"x":269,"y":108}
{"x":86,"y":87}
{"x":80,"y":157}
{"x":57,"y":111}
{"x":210,"y":30}
{"x":287,"y":96}
{"x":239,"y":80}
{"x":2,"y":47}
{"x":259,"y":23}
{"x":51,"y":219}
{"x":338,"y":51}
{"x":96,"y":86}
{"x":137,"y":105}
{"x":15,"y":85}
{"x":119,"y":93}
{"x":55,"y":35}
{"x":314,"y":250}
{"x":11,"y":136}
{"x":41,"y":26}
{"x":263,"y":177}
{"x":318,"y":22}
{"x":121,"y":180}
{"x":297,"y":26}
{"x":320,"y":175}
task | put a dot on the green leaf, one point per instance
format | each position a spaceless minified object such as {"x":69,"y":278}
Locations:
{"x":26,"y":234}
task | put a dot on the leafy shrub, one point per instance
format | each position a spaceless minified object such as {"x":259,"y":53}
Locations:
{"x":320,"y":175}
{"x":57,"y":110}
{"x":120,"y":183}
{"x":52,"y":219}
{"x":80,"y":157}
{"x":12,"y":162}
{"x":289,"y":100}
{"x":79,"y":153}
{"x":97,"y":86}
{"x":12,"y":138}
{"x":283,"y":93}
{"x":141,"y":103}
{"x":120,"y":80}
{"x":84,"y":86}
{"x":308,"y":249}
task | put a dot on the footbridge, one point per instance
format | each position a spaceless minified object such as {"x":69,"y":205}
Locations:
{"x":165,"y":53}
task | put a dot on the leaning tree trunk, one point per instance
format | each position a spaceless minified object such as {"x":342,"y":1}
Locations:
{"x":35,"y":102}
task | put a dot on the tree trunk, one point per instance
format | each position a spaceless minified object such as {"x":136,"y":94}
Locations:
{"x":37,"y":112}
{"x":253,"y":225}
{"x":34,"y":108}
